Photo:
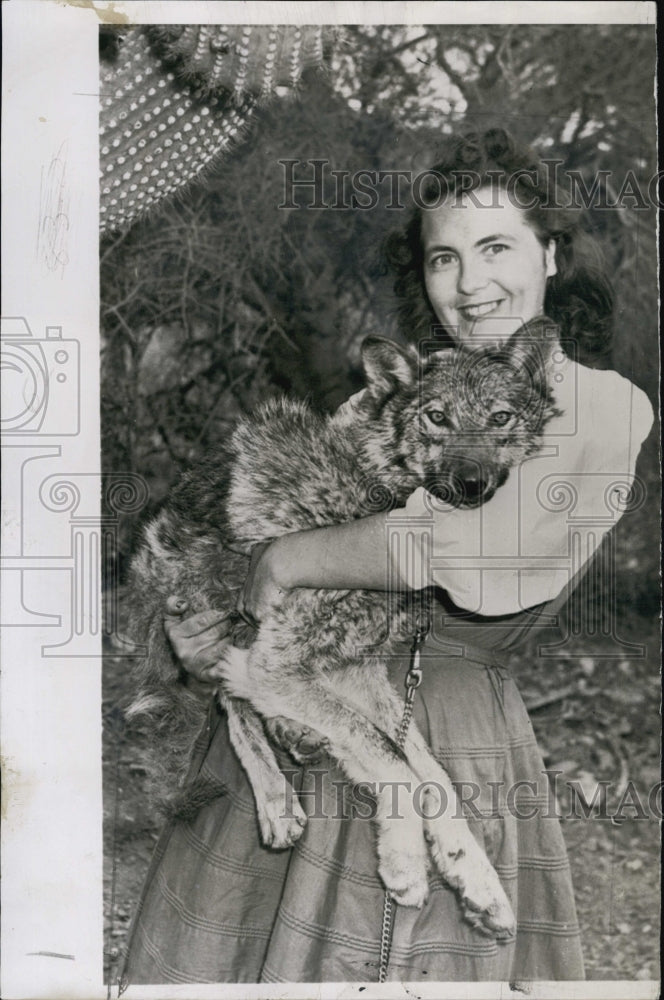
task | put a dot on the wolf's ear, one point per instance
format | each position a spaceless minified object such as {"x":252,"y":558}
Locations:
{"x":387,"y":366}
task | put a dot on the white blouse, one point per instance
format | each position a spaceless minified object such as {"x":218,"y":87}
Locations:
{"x":524,"y":545}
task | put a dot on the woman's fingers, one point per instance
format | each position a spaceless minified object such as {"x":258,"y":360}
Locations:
{"x":216,"y":623}
{"x":176,"y":605}
{"x":199,"y":642}
{"x":199,"y":657}
{"x":247,"y":617}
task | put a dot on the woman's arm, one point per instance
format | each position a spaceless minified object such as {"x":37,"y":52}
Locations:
{"x":510,"y":554}
{"x":409,"y":553}
{"x":351,"y":556}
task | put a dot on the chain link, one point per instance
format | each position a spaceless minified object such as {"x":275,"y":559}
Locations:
{"x":413,"y":681}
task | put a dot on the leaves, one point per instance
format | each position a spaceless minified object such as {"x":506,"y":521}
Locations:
{"x":223,"y":296}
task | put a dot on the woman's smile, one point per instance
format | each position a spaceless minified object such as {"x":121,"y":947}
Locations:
{"x":477,"y":310}
{"x":485,"y":269}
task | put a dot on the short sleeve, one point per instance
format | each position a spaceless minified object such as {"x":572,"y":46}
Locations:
{"x":526,"y":544}
{"x":644,"y":417}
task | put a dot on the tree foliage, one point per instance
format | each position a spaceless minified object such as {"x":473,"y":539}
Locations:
{"x":222,"y":296}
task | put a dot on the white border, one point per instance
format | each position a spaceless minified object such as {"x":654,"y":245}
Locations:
{"x":51,"y":732}
{"x":371,"y":12}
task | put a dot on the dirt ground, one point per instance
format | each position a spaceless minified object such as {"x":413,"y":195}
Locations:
{"x":597,"y":720}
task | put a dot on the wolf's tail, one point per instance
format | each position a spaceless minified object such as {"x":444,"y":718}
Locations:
{"x":173,"y":726}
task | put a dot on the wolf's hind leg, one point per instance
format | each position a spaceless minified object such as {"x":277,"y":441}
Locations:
{"x":280,"y":816}
{"x":456,"y":854}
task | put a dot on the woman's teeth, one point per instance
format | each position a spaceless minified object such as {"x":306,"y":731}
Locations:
{"x":473,"y":312}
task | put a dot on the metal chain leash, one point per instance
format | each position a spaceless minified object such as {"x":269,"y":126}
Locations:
{"x":413,"y":681}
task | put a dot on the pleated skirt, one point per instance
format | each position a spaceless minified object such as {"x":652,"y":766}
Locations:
{"x":218,"y":907}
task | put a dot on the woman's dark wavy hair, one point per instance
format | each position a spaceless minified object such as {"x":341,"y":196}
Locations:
{"x":579,"y":298}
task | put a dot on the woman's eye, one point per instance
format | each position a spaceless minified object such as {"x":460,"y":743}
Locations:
{"x":494,"y":249}
{"x":437,"y":417}
{"x":500,"y":418}
{"x":441,"y":260}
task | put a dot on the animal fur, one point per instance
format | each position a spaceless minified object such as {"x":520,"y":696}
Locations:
{"x":454,"y":422}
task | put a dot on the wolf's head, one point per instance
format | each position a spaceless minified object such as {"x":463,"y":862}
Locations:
{"x":457,"y":420}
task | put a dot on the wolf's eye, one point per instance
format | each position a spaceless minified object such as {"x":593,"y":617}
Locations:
{"x":437,"y":417}
{"x":500,"y":418}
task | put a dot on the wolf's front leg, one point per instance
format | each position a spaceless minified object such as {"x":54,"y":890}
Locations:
{"x":280,"y":816}
{"x":364,"y":752}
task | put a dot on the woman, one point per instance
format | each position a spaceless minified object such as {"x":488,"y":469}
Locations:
{"x":489,"y":248}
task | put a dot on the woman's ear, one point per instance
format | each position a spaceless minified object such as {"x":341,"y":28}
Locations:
{"x":550,"y":259}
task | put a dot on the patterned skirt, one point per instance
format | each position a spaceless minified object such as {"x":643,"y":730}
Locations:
{"x":218,"y":907}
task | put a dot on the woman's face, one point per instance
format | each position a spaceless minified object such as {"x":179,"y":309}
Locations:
{"x":485,"y":269}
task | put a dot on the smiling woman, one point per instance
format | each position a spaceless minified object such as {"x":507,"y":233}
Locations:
{"x":500,"y":201}
{"x":219,"y":907}
{"x":485,"y":269}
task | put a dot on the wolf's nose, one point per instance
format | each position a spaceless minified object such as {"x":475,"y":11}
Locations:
{"x":471,"y":479}
{"x":474,"y":490}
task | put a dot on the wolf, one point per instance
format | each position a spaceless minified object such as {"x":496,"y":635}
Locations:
{"x":454,"y":421}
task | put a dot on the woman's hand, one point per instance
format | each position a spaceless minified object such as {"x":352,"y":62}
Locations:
{"x":263,"y":588}
{"x":199,"y":642}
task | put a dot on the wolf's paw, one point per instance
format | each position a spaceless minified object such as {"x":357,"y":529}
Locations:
{"x":404,"y":877}
{"x":494,"y":918}
{"x":484,"y":895}
{"x":305,"y":745}
{"x":466,"y":868}
{"x":281,"y":821}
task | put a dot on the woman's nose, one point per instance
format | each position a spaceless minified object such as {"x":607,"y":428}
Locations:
{"x":471,"y":277}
